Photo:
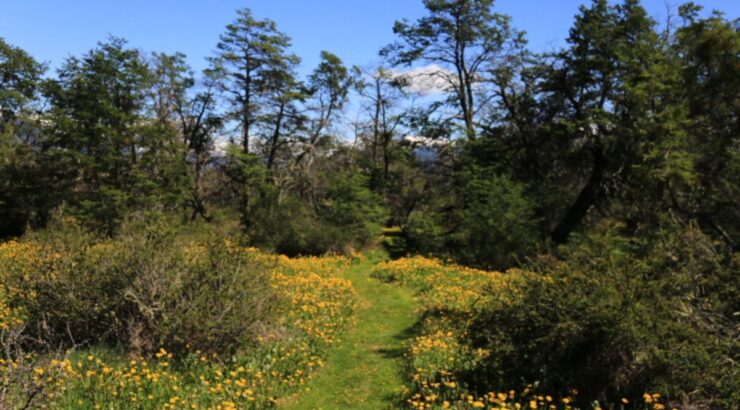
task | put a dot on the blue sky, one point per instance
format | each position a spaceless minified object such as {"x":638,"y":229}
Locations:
{"x":353,"y":29}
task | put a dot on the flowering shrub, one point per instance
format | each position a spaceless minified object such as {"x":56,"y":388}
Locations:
{"x":314,"y":307}
{"x":444,"y":363}
{"x":140,"y":291}
{"x":12,"y":295}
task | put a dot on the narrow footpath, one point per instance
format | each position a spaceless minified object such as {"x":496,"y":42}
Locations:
{"x":365,"y":369}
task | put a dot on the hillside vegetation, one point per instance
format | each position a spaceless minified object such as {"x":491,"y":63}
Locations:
{"x":535,"y":230}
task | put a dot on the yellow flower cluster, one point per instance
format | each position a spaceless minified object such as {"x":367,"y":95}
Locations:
{"x":194,"y":382}
{"x":321,"y":304}
{"x":441,"y":285}
{"x":492,"y":400}
{"x":9,"y":317}
{"x":326,"y":266}
{"x":12,"y":294}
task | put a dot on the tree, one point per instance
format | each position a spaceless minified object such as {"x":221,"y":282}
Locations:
{"x":327,"y":87}
{"x":383,"y":92}
{"x":256,"y":67}
{"x":199,"y":121}
{"x":170,"y":79}
{"x":19,"y":80}
{"x":606,"y":88}
{"x":283,"y":116}
{"x":253,"y":55}
{"x":709,"y":82}
{"x":188,"y":106}
{"x":25,"y":183}
{"x":250,"y":185}
{"x":98,"y":111}
{"x":465,"y":38}
{"x":492,"y":223}
{"x":391,"y":163}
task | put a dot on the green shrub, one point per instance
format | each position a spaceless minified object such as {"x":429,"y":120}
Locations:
{"x":292,"y":228}
{"x":486,"y":221}
{"x":494,"y":223}
{"x":212,"y":297}
{"x":345,"y":216}
{"x":618,"y":315}
{"x":144,"y":289}
{"x":423,"y":233}
{"x":356,"y":213}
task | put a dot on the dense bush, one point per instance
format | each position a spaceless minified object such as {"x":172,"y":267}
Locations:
{"x":145,"y":289}
{"x":346,"y":216}
{"x":423,"y":233}
{"x":493,"y":222}
{"x":617,"y":315}
{"x":355,"y":212}
{"x":486,"y":222}
{"x":291,"y":228}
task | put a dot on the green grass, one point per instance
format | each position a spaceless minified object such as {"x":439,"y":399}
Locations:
{"x":365,"y":369}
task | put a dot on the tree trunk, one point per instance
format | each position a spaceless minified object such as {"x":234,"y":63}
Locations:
{"x":276,"y":136}
{"x":386,"y":141}
{"x":588,"y":196}
{"x":199,"y":207}
{"x":246,"y":108}
{"x":376,"y":120}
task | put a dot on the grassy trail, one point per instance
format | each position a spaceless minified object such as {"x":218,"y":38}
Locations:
{"x":364,"y":370}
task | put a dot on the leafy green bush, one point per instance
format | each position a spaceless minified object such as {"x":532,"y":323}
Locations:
{"x":494,"y":222}
{"x":345,"y":216}
{"x":486,"y":221}
{"x":292,"y":228}
{"x":617,"y":315}
{"x":356,"y":213}
{"x":144,"y":289}
{"x":423,"y":233}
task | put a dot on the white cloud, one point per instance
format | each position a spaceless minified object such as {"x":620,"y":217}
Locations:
{"x":427,"y":80}
{"x":221,"y":145}
{"x":418,"y":140}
